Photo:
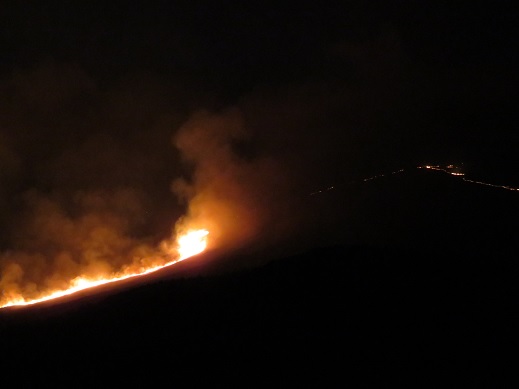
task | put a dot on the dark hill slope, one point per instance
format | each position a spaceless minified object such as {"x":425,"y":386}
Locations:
{"x":315,"y":316}
{"x":435,"y":288}
{"x":417,"y":208}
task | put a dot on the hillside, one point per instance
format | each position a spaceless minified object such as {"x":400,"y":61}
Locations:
{"x":316,"y":315}
{"x":435,"y":287}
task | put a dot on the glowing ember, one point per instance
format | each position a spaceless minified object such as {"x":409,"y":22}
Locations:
{"x":188,"y":245}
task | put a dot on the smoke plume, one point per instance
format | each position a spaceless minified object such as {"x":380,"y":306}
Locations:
{"x":84,"y":177}
{"x":235,"y":190}
{"x":87,"y":175}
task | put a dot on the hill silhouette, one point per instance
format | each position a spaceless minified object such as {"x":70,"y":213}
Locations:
{"x":321,"y":316}
{"x":328,"y":308}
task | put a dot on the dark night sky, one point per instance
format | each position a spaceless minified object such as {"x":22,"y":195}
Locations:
{"x":417,"y":76}
{"x":105,"y":106}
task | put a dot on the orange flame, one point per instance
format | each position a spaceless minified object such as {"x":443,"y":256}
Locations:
{"x":192,"y":243}
{"x":189,"y":244}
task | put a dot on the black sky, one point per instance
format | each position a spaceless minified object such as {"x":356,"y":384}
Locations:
{"x":253,"y":42}
{"x":448,"y":67}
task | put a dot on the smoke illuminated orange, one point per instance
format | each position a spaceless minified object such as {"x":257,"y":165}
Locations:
{"x":189,"y":244}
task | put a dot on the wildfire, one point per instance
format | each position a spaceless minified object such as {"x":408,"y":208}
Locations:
{"x":189,"y":244}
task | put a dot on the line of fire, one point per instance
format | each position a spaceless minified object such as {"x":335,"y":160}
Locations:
{"x":187,"y":245}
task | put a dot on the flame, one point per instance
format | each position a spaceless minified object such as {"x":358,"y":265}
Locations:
{"x":192,"y":243}
{"x":189,"y":244}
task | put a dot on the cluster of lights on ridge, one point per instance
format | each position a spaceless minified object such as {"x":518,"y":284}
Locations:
{"x":189,"y":244}
{"x":449,"y":169}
